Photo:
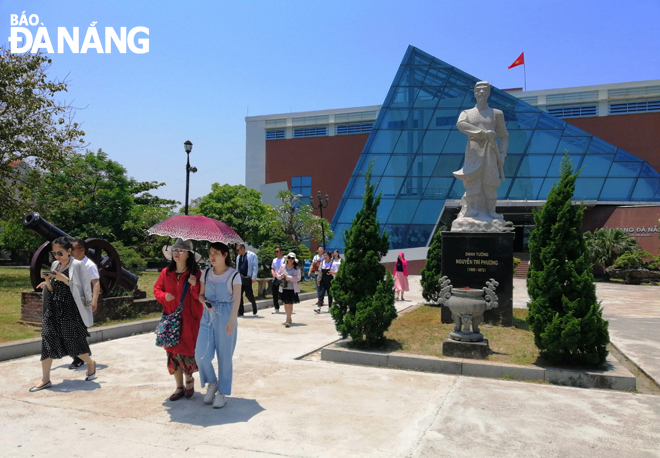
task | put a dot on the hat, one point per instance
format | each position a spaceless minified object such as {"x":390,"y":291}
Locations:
{"x":183,"y":245}
{"x":292,"y":255}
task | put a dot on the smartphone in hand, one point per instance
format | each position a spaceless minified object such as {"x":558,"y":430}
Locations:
{"x":208,"y":304}
{"x":47,"y":272}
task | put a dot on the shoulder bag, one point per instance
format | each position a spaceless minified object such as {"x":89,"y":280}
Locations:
{"x":168,"y":331}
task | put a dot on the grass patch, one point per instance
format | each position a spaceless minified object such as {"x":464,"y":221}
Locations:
{"x":421,"y":332}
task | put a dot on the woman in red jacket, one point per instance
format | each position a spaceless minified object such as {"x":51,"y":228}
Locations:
{"x":168,"y":290}
{"x":400,"y":277}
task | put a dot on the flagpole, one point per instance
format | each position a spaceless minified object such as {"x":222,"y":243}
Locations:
{"x":525,"y":76}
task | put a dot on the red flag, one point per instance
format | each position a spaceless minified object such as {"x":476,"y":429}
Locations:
{"x":519,"y":61}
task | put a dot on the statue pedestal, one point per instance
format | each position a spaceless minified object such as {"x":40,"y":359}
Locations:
{"x":470,"y":350}
{"x":469,"y":259}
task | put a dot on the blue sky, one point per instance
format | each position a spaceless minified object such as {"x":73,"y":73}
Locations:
{"x":210,"y":63}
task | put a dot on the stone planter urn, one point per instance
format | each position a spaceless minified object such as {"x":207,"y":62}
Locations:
{"x":467,"y":306}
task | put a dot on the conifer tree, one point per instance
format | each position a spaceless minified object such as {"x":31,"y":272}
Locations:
{"x":362,"y":290}
{"x":432,"y":270}
{"x":564,"y":314}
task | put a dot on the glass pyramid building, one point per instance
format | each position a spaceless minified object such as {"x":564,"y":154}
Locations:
{"x":416,"y":146}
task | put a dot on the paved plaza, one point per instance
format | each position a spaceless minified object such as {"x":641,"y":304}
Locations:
{"x":285,"y":406}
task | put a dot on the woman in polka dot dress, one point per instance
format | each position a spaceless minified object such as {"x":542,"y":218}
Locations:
{"x":67,"y":314}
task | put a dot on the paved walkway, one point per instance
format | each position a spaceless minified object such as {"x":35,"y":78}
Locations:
{"x":283,"y":406}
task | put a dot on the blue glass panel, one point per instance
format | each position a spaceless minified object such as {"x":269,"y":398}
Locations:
{"x":412,"y":76}
{"x":501,"y":101}
{"x":445,"y":118}
{"x":625,"y":169}
{"x":428,"y":97}
{"x":418,"y":235}
{"x":384,"y":141}
{"x":525,"y":188}
{"x":295,"y":182}
{"x":428,"y":211}
{"x":419,"y":118}
{"x":437,"y":63}
{"x":448,"y":164}
{"x":306,"y":192}
{"x":438,"y":188}
{"x":535,"y":165}
{"x":503,"y":190}
{"x":306,"y":181}
{"x":423,"y":165}
{"x":384,"y":209}
{"x":547,"y":186}
{"x":394,"y":118}
{"x":524,"y":106}
{"x":455,"y":143}
{"x":599,"y":146}
{"x":469,"y":101}
{"x":574,"y":145}
{"x":403,"y":97}
{"x":389,"y":186}
{"x":547,"y":121}
{"x":572,"y":131}
{"x":459,"y":78}
{"x":523,"y":121}
{"x":351,"y":207}
{"x":358,"y":186}
{"x":397,"y":234}
{"x":544,"y":141}
{"x":518,"y":141}
{"x":617,"y":188}
{"x":338,"y":242}
{"x":437,"y":76}
{"x":408,"y":142}
{"x":648,"y":171}
{"x":457,"y":190}
{"x":511,"y":165}
{"x":596,"y":165}
{"x":413,"y":187}
{"x":398,"y":165}
{"x":588,"y":188}
{"x":433,"y":142}
{"x":453,"y":97}
{"x":555,"y":166}
{"x":419,"y":58}
{"x":646,"y":189}
{"x":403,"y":211}
{"x":625,"y":156}
{"x":380,"y":161}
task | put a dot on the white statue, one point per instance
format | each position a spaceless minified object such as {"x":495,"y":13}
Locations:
{"x":484,"y":164}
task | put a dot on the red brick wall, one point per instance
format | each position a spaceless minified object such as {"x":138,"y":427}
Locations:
{"x":634,"y":219}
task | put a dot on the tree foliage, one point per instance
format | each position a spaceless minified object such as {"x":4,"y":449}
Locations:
{"x":432,"y":270}
{"x":363,"y":305}
{"x":607,"y":245}
{"x":564,"y":314}
{"x":298,"y":222}
{"x":36,"y":131}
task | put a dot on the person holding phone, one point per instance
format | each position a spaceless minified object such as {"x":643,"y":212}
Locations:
{"x":220,"y":292}
{"x":168,"y":291}
{"x":289,"y":274}
{"x":68,"y":313}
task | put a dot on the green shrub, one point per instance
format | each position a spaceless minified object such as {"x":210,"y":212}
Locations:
{"x":130,"y":259}
{"x":633,"y":260}
{"x":564,"y":314}
{"x":516,"y":263}
{"x":432,"y":270}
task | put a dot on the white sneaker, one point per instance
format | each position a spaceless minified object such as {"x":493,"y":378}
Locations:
{"x":220,"y":401}
{"x":211,"y":388}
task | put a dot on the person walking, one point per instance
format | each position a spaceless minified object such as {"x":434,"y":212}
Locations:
{"x":247,"y":264}
{"x":336,"y":258}
{"x":274,"y":268}
{"x":168,"y":291}
{"x":220,"y":293}
{"x":290,"y":275}
{"x":328,"y":269}
{"x":79,"y":253}
{"x":315,"y":273}
{"x":400,"y":277}
{"x":68,"y":313}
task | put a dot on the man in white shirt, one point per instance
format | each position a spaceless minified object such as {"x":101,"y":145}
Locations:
{"x":315,"y":271}
{"x":274,"y":268}
{"x":79,"y":253}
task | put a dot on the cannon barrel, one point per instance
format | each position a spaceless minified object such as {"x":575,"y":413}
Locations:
{"x":50,"y":232}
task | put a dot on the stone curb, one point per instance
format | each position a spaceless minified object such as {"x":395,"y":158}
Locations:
{"x":617,"y":378}
{"x":28,"y":347}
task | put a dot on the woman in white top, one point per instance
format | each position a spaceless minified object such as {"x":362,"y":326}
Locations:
{"x":290,"y":275}
{"x":220,"y":292}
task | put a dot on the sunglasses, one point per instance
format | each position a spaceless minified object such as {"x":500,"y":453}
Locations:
{"x":277,"y":251}
{"x":178,"y":250}
{"x":57,"y":253}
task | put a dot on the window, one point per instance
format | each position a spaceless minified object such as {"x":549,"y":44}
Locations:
{"x":310,"y":120}
{"x":274,"y":134}
{"x":575,"y":111}
{"x":345,"y":129}
{"x":634,"y":107}
{"x":276,"y":122}
{"x":356,"y":117}
{"x":310,"y":132}
{"x":302,"y":186}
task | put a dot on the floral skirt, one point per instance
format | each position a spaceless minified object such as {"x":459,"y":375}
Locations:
{"x":175,"y":361}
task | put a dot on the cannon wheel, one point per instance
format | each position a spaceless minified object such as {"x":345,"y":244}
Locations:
{"x":107,"y":259}
{"x":40,"y":261}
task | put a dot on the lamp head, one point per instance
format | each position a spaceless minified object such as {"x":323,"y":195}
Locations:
{"x":187,"y":146}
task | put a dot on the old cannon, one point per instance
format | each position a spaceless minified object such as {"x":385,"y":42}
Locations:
{"x":100,"y":251}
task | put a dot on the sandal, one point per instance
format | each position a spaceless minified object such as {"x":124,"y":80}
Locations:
{"x":178,"y":394}
{"x":188,"y":393}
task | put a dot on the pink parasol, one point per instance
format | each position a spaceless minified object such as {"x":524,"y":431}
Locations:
{"x":198,"y":228}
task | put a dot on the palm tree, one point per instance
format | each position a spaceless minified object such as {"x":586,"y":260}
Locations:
{"x":606,"y":245}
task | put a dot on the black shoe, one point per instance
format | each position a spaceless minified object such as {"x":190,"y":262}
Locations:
{"x":76,"y":363}
{"x":42,"y":387}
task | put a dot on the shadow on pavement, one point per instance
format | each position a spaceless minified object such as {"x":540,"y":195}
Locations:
{"x":71,"y":386}
{"x":193,"y":411}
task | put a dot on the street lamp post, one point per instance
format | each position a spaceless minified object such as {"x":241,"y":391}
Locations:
{"x":323,"y":203}
{"x":187,"y":146}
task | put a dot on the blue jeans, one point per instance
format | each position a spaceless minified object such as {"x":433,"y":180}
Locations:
{"x":213,"y":341}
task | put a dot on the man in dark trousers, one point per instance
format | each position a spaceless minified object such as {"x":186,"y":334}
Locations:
{"x":247,"y":264}
{"x":274,"y":268}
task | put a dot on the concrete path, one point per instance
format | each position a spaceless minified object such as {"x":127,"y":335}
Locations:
{"x":284,"y":406}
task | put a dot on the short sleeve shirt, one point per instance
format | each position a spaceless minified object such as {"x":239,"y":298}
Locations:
{"x":91,"y":268}
{"x":225,"y":277}
{"x":277,"y":263}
